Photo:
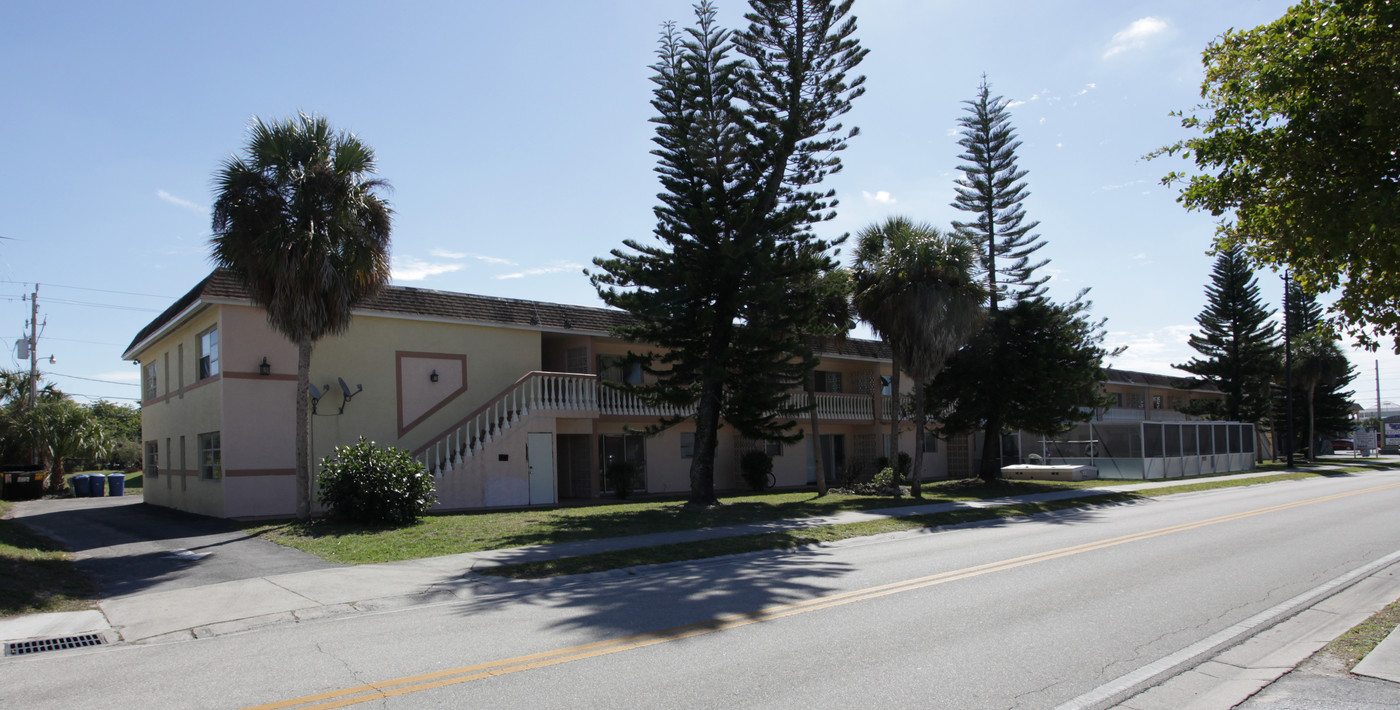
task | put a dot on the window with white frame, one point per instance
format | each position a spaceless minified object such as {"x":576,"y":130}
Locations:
{"x":150,"y":464}
{"x":827,"y":380}
{"x":930,"y":442}
{"x":616,"y":368}
{"x":209,"y":353}
{"x":1156,"y":401}
{"x":773,"y":448}
{"x":149,"y":379}
{"x":687,"y":444}
{"x":211,"y":464}
{"x":1116,"y":398}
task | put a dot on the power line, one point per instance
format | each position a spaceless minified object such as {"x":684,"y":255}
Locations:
{"x":103,"y":305}
{"x":85,"y":288}
{"x":94,"y":396}
{"x":90,"y":379}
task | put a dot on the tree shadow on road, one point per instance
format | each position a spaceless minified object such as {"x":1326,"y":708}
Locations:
{"x":631,"y":602}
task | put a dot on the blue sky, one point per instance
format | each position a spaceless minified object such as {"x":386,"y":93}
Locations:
{"x":516,"y":138}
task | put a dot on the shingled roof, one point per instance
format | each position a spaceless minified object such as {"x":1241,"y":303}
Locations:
{"x":466,"y":307}
{"x":1147,"y":379}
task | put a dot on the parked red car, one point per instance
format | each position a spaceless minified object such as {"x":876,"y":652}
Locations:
{"x":1342,"y":445}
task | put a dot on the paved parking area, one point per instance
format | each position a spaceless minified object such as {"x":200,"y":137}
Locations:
{"x":129,"y":547}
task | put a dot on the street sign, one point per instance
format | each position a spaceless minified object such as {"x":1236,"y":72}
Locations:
{"x":1364,"y":440}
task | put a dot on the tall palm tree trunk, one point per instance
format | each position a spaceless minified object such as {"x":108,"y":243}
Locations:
{"x":991,"y":448}
{"x":303,"y":452}
{"x":816,"y":435}
{"x":1312,"y":423}
{"x":894,"y":419}
{"x":917,"y":469}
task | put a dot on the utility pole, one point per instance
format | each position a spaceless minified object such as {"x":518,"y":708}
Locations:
{"x":34,"y":348}
{"x":1378,"y":397}
{"x":33,"y":361}
{"x":1288,"y":369}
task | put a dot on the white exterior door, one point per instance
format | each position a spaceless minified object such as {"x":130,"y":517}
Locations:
{"x":539,"y":451}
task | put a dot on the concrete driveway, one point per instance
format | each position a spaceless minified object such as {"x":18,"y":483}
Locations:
{"x":128,"y":547}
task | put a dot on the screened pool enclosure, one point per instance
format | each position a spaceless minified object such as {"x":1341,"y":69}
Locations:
{"x":1142,"y":450}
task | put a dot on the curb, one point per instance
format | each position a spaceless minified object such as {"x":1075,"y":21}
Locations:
{"x":1129,"y":685}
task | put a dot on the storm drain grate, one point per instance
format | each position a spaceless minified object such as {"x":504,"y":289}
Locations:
{"x":21,"y":648}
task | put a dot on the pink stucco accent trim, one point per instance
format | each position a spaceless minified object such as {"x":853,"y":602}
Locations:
{"x":242,"y":472}
{"x":258,"y":376}
{"x":398,"y":385}
{"x":196,"y":385}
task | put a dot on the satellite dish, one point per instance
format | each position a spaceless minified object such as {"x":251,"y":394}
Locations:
{"x":348,"y":394}
{"x":315,"y":393}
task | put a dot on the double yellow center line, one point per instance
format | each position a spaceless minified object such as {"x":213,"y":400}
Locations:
{"x":466,"y":674}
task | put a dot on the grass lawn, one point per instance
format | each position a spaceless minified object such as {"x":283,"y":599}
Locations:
{"x":493,"y":530}
{"x":1353,"y":645}
{"x":473,"y":532}
{"x":36,"y":575}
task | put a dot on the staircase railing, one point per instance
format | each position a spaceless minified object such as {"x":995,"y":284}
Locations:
{"x":535,"y":391}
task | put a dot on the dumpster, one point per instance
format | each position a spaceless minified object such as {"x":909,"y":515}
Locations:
{"x":81,"y":484}
{"x":97,"y":485}
{"x":22,"y":482}
{"x":116,"y":484}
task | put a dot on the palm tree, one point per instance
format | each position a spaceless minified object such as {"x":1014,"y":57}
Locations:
{"x":1317,"y":361}
{"x":916,"y":287}
{"x":62,"y":429}
{"x":15,"y":438}
{"x":298,"y":220}
{"x":833,"y":321}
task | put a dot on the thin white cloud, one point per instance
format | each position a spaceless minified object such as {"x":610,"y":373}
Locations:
{"x":1141,"y":256}
{"x":445,"y":254}
{"x":1014,"y":104}
{"x":162,"y":194}
{"x":560,"y":268}
{"x":1135,"y":36}
{"x":133,"y":375}
{"x":1123,"y":185}
{"x":1154,"y":351}
{"x":1087,"y":88}
{"x":408,"y":268}
{"x":882,"y":196}
{"x":951,"y":132}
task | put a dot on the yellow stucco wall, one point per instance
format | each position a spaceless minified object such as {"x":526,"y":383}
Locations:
{"x":184,"y":407}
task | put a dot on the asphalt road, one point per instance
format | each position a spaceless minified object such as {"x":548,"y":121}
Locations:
{"x":1028,"y":613}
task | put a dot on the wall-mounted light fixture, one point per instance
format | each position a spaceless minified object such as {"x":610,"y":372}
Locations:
{"x":434,"y":376}
{"x":264,"y":368}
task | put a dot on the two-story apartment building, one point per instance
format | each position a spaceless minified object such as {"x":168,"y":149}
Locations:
{"x":504,"y":400}
{"x":1144,"y":396}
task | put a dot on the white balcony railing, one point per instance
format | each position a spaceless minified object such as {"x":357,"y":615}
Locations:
{"x":566,"y":392}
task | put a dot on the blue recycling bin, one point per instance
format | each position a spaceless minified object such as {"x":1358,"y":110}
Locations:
{"x":81,"y":485}
{"x":116,"y":484}
{"x":97,"y":485}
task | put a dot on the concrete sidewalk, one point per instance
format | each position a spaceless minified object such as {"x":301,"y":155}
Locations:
{"x":244,"y":604}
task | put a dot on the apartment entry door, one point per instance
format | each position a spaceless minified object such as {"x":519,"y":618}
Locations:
{"x":624,"y":447}
{"x":833,"y":457}
{"x":539,"y":452}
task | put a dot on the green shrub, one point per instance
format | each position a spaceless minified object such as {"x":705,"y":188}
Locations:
{"x":755,"y":466}
{"x":622,"y":474}
{"x":370,"y":484}
{"x":884,"y":479}
{"x":905,"y":463}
